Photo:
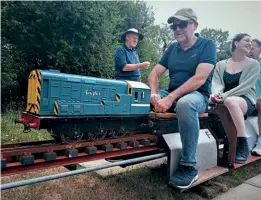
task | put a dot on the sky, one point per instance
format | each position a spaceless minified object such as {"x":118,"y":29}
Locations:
{"x":233,"y":16}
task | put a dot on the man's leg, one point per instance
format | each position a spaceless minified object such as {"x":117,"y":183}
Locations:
{"x":187,"y":109}
{"x":257,"y":149}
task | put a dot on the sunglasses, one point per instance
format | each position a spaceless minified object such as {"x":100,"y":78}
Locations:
{"x":181,"y":25}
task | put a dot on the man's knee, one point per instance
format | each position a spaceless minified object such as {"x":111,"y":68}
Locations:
{"x":184,"y":104}
{"x":194,"y":100}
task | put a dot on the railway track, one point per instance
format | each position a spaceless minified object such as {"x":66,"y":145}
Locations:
{"x":31,"y":156}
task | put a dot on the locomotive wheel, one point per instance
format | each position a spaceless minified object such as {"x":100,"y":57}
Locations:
{"x":130,"y":133}
{"x":56,"y":137}
{"x":73,"y":136}
{"x":97,"y":136}
{"x":117,"y":134}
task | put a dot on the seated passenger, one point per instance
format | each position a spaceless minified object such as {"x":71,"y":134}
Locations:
{"x":190,"y":62}
{"x":127,"y":63}
{"x":255,"y":54}
{"x":233,"y":84}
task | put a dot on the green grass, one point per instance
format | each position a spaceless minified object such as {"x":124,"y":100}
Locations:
{"x":13,"y":133}
{"x":137,"y":184}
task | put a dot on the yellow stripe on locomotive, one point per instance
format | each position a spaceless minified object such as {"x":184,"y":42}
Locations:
{"x":56,"y":107}
{"x":34,"y":92}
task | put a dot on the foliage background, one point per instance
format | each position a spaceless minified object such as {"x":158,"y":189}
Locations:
{"x":78,"y":37}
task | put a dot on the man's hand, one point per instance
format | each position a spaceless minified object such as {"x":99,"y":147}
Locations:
{"x":154,"y":98}
{"x":145,"y":65}
{"x":163,"y":105}
{"x":216,"y":98}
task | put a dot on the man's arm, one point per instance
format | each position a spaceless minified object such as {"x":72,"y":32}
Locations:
{"x":121,"y":62}
{"x":154,"y":76}
{"x":201,"y":75}
{"x":195,"y":82}
{"x":153,"y":82}
{"x":159,"y":69}
{"x":132,"y":67}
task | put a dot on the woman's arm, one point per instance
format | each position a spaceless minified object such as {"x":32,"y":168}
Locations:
{"x":247,"y":82}
{"x":217,"y":80}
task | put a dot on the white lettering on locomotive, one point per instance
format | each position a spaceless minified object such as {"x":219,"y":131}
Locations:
{"x":92,"y":93}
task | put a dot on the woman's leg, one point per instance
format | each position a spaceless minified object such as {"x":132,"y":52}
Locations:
{"x":237,"y":108}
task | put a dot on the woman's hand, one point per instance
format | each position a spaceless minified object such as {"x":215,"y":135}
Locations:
{"x":216,"y":98}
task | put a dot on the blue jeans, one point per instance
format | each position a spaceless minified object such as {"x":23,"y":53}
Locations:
{"x":187,"y":109}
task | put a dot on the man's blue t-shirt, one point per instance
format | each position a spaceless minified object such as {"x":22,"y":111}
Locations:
{"x":182,"y":64}
{"x":258,"y":83}
{"x":124,"y":56}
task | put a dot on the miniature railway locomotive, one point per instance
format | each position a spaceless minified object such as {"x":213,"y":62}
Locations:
{"x":72,"y":107}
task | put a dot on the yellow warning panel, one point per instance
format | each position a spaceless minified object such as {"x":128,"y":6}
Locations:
{"x":34,"y":92}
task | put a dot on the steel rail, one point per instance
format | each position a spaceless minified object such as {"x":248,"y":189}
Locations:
{"x":80,"y":171}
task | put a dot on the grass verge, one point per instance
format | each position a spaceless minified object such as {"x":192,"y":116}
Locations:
{"x":13,"y":133}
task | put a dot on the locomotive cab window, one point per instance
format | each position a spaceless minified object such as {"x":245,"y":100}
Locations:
{"x":136,"y":95}
{"x":129,"y":91}
{"x":142,"y":96}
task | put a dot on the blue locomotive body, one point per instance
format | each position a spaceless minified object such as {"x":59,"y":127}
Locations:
{"x":53,"y":93}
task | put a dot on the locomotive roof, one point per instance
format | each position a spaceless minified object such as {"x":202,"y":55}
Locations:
{"x":135,"y":84}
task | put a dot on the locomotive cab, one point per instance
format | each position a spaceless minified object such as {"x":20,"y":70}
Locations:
{"x":140,"y":97}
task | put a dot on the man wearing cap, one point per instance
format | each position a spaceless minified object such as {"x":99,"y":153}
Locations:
{"x":190,"y":62}
{"x":127,"y":63}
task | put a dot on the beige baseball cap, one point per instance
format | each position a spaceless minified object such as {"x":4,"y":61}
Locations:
{"x":184,"y":14}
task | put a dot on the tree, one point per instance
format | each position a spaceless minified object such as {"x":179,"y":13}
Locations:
{"x":63,"y":35}
{"x":221,"y":38}
{"x":73,"y":37}
{"x":157,"y":39}
{"x":135,"y":15}
{"x":10,"y":71}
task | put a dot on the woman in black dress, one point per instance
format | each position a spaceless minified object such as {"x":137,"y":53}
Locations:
{"x":234,"y":85}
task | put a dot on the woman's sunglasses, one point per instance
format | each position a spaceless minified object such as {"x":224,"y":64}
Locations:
{"x":181,"y":25}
